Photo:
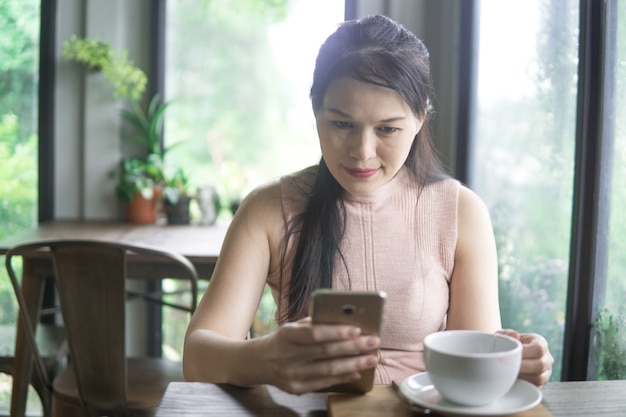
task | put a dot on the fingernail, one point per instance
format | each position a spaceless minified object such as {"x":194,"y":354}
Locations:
{"x":354,"y":331}
{"x":372,"y":341}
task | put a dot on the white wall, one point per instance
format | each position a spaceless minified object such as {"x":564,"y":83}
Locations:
{"x":87,"y":121}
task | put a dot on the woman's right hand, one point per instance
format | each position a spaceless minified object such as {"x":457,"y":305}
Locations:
{"x":301,"y":357}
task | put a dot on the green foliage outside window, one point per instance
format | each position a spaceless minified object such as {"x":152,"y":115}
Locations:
{"x":610,"y":343}
{"x":524,"y":162}
{"x":18,"y":197}
{"x":526,"y":156}
{"x":234,"y":109}
{"x":18,"y":177}
{"x":19,"y":51}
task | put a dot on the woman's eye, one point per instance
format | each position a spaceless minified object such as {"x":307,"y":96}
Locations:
{"x":388,"y":130}
{"x":342,"y":125}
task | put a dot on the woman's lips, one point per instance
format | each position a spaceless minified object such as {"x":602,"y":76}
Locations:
{"x":361,"y":173}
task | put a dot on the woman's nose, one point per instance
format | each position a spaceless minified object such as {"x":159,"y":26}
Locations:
{"x":363,"y":146}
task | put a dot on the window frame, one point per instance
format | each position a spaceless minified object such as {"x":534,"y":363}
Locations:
{"x":587,"y":274}
{"x":46,"y":109}
{"x":156,"y":84}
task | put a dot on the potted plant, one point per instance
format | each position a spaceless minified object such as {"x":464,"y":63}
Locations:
{"x":139,"y":187}
{"x":128,"y":81}
{"x":147,"y":128}
{"x":141,"y":178}
{"x":176,"y":198}
{"x":148,"y":125}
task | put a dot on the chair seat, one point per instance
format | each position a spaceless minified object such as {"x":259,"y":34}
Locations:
{"x":147,"y":380}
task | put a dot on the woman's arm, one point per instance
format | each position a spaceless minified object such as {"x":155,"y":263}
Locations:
{"x":226,"y":311}
{"x":474,"y":288}
{"x":298,"y":357}
{"x":474,"y":283}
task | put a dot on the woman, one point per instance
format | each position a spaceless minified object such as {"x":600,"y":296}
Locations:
{"x":377,"y":213}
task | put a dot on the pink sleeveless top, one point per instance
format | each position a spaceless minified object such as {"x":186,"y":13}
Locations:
{"x":397,"y":240}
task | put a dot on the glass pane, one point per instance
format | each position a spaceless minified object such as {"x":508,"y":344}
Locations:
{"x":610,"y":336}
{"x":523,"y":155}
{"x":238,"y":75}
{"x":19,"y":74}
{"x":174,"y":321}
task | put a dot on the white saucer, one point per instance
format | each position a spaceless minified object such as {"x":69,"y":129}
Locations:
{"x":419,"y":390}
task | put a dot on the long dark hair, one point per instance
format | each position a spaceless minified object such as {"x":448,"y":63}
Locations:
{"x":379,"y":51}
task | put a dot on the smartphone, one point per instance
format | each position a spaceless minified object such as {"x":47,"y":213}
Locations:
{"x":358,"y":308}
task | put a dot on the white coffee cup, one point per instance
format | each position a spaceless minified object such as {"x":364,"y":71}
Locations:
{"x":470,"y":367}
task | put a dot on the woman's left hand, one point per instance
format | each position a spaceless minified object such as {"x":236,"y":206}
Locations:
{"x":537,"y":360}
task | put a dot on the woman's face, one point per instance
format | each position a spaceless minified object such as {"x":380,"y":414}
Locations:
{"x":366,"y":132}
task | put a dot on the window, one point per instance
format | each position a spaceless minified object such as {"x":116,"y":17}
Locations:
{"x":19,"y":60}
{"x":19,"y":72}
{"x":238,"y":76}
{"x":524,"y":153}
{"x":540,"y":166}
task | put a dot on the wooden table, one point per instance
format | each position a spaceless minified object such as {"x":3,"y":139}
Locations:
{"x":560,"y":399}
{"x":200,"y":244}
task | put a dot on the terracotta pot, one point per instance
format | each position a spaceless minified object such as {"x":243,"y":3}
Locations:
{"x":141,"y":210}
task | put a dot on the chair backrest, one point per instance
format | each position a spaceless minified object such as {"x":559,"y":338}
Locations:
{"x":90,"y":277}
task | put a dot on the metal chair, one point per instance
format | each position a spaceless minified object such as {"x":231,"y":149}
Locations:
{"x":51,"y":340}
{"x":90,"y":278}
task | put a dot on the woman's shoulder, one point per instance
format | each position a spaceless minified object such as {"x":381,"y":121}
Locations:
{"x":262,"y":197}
{"x":470,"y":200}
{"x":299,"y":181}
{"x":444,"y":188}
{"x":296,"y":190}
{"x":458,"y":193}
{"x":275,"y":198}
